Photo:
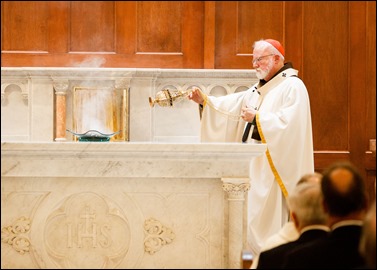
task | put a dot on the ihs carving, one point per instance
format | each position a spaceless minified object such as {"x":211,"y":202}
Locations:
{"x":87,"y":225}
{"x":157,"y":236}
{"x":16,"y":235}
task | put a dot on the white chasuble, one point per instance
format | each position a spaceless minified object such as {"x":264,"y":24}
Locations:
{"x":284,"y":124}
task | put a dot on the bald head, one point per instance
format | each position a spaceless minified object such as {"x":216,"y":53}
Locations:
{"x":343,"y":189}
{"x":342,"y":180}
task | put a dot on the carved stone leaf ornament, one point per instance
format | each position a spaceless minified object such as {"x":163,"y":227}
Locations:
{"x":15,"y":235}
{"x":157,"y":236}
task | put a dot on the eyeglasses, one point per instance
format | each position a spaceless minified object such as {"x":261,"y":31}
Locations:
{"x":257,"y":60}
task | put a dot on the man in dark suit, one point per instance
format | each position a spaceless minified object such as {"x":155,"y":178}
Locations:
{"x":345,"y":201}
{"x":367,"y":247}
{"x":305,"y":204}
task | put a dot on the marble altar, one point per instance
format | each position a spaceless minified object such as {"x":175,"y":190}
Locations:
{"x":124,"y":204}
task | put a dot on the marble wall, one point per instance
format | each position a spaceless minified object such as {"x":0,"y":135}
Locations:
{"x":32,"y":100}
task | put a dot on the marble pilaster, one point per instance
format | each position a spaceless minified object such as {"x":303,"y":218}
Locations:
{"x":60,"y":110}
{"x":236,"y":189}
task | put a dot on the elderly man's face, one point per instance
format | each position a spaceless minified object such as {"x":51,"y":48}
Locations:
{"x":263,"y":62}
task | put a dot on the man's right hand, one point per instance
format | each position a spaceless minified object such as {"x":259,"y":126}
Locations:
{"x":196,"y":95}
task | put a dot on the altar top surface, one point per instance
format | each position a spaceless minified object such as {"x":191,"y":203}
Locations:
{"x":128,"y":159}
{"x":127,"y":149}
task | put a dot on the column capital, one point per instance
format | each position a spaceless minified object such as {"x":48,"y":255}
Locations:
{"x":236,"y":187}
{"x":123,"y":83}
{"x":61,"y":87}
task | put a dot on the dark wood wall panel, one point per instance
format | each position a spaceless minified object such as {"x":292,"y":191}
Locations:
{"x":27,"y":26}
{"x":158,"y":27}
{"x":327,"y":55}
{"x":239,"y":24}
{"x":113,"y":34}
{"x":209,"y":34}
{"x":58,"y":27}
{"x":91,"y":26}
{"x":252,"y":18}
{"x":357,"y":81}
{"x":370,"y":71}
{"x":126,"y":19}
{"x":361,"y":79}
{"x":293,"y":32}
{"x":370,"y":116}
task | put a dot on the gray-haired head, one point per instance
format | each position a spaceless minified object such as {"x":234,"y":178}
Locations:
{"x":272,"y":46}
{"x":305,"y":203}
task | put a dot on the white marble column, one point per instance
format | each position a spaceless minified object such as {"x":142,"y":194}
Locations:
{"x":236,"y":189}
{"x":60,"y":110}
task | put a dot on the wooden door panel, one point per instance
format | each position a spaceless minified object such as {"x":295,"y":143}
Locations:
{"x":324,"y":56}
{"x":239,"y":24}
{"x":92,"y":27}
{"x":103,"y":34}
{"x":26,"y":26}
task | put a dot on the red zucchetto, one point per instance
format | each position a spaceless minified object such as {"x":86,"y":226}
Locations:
{"x":276,"y":44}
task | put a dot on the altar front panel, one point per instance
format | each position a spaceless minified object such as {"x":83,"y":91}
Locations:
{"x":112,"y":223}
{"x":121,"y":205}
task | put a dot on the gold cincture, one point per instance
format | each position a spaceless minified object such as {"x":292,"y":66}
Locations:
{"x":167,"y":97}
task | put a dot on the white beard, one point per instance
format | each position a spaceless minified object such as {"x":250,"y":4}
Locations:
{"x":261,"y":74}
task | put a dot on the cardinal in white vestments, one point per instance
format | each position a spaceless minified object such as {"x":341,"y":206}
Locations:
{"x":275,"y":111}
